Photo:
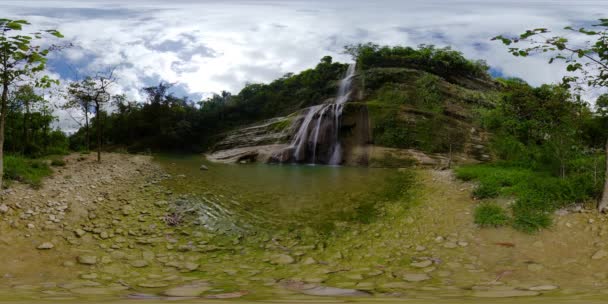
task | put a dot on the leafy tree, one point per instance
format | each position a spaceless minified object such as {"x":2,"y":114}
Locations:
{"x":93,"y":92}
{"x":20,"y":57}
{"x":27,"y":98}
{"x":444,"y":62}
{"x":587,"y":63}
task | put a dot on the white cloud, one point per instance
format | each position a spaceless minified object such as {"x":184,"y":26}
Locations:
{"x":214,"y":45}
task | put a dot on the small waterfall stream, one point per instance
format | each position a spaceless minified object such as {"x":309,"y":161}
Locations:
{"x":318,"y":138}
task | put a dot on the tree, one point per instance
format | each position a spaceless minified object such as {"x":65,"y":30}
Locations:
{"x":92,"y":92}
{"x":26,"y":98}
{"x":20,"y":57}
{"x":587,"y":62}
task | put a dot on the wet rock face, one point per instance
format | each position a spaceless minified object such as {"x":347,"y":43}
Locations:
{"x":271,"y":131}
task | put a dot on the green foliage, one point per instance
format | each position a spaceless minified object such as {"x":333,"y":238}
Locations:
{"x":25,"y":170}
{"x":488,"y":189}
{"x":168,"y":122}
{"x":588,"y":60}
{"x":281,"y":125}
{"x":537,"y":193}
{"x":530,"y":220}
{"x":490,"y":215}
{"x":444,"y":62}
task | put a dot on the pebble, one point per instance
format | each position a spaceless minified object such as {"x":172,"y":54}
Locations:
{"x":600,"y":254}
{"x":282,"y":259}
{"x":422,"y":264}
{"x":416,"y":277}
{"x":450,"y":245}
{"x":87,"y":259}
{"x":139,"y":263}
{"x":543,"y":288}
{"x":3,"y":208}
{"x":191,"y":290}
{"x":45,"y":246}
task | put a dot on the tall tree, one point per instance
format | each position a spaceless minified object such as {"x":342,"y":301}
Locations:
{"x":586,"y":62}
{"x":20,"y":57}
{"x":26,"y":98}
{"x":93,"y":92}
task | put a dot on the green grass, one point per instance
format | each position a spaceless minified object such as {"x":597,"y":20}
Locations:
{"x":490,"y":215}
{"x":536,"y":193}
{"x":25,"y":170}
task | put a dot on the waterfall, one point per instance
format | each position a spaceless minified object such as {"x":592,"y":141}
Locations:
{"x":318,"y":137}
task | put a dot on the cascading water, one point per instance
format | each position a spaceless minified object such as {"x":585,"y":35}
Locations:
{"x":318,"y":138}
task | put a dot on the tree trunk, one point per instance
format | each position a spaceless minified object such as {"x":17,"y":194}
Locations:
{"x":99,"y":126}
{"x":86,"y":128}
{"x":4,"y":100}
{"x":603,"y":205}
{"x":26,"y":139}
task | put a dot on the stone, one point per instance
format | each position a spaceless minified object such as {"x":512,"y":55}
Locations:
{"x":69,"y":264}
{"x":229,"y":295}
{"x":422,"y":264}
{"x":397,"y":285}
{"x":45,"y":246}
{"x":543,"y":288}
{"x":4,"y":208}
{"x":416,"y":277}
{"x":203,"y":168}
{"x":505,"y":293}
{"x":139,"y":263}
{"x":104,"y":235}
{"x":309,"y":261}
{"x":324,"y":291}
{"x":191,"y":290}
{"x":600,"y":254}
{"x":189,"y":266}
{"x":87,"y":259}
{"x":126,"y":210}
{"x":152,"y":284}
{"x":282,"y":259}
{"x":450,"y":245}
{"x":80,"y":232}
{"x":97,"y":290}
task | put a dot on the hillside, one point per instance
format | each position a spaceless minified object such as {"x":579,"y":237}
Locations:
{"x":396,"y":116}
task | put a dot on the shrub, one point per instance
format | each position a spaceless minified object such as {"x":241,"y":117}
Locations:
{"x":25,"y":170}
{"x":486,"y":190}
{"x":490,"y":215}
{"x":530,"y":220}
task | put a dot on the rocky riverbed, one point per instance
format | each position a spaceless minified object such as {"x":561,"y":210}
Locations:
{"x":115,"y":231}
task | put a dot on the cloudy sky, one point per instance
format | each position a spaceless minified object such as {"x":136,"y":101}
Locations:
{"x":212,"y":45}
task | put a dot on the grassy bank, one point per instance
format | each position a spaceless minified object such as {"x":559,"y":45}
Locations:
{"x":26,"y":170}
{"x":536,"y":194}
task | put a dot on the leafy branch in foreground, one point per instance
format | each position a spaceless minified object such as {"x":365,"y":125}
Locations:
{"x":586,"y":62}
{"x":20,"y":58}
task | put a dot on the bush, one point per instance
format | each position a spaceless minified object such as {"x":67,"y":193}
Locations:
{"x":486,"y":190}
{"x":490,"y":215}
{"x":25,"y":170}
{"x":530,"y":220}
{"x":537,"y":193}
{"x":58,"y":162}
